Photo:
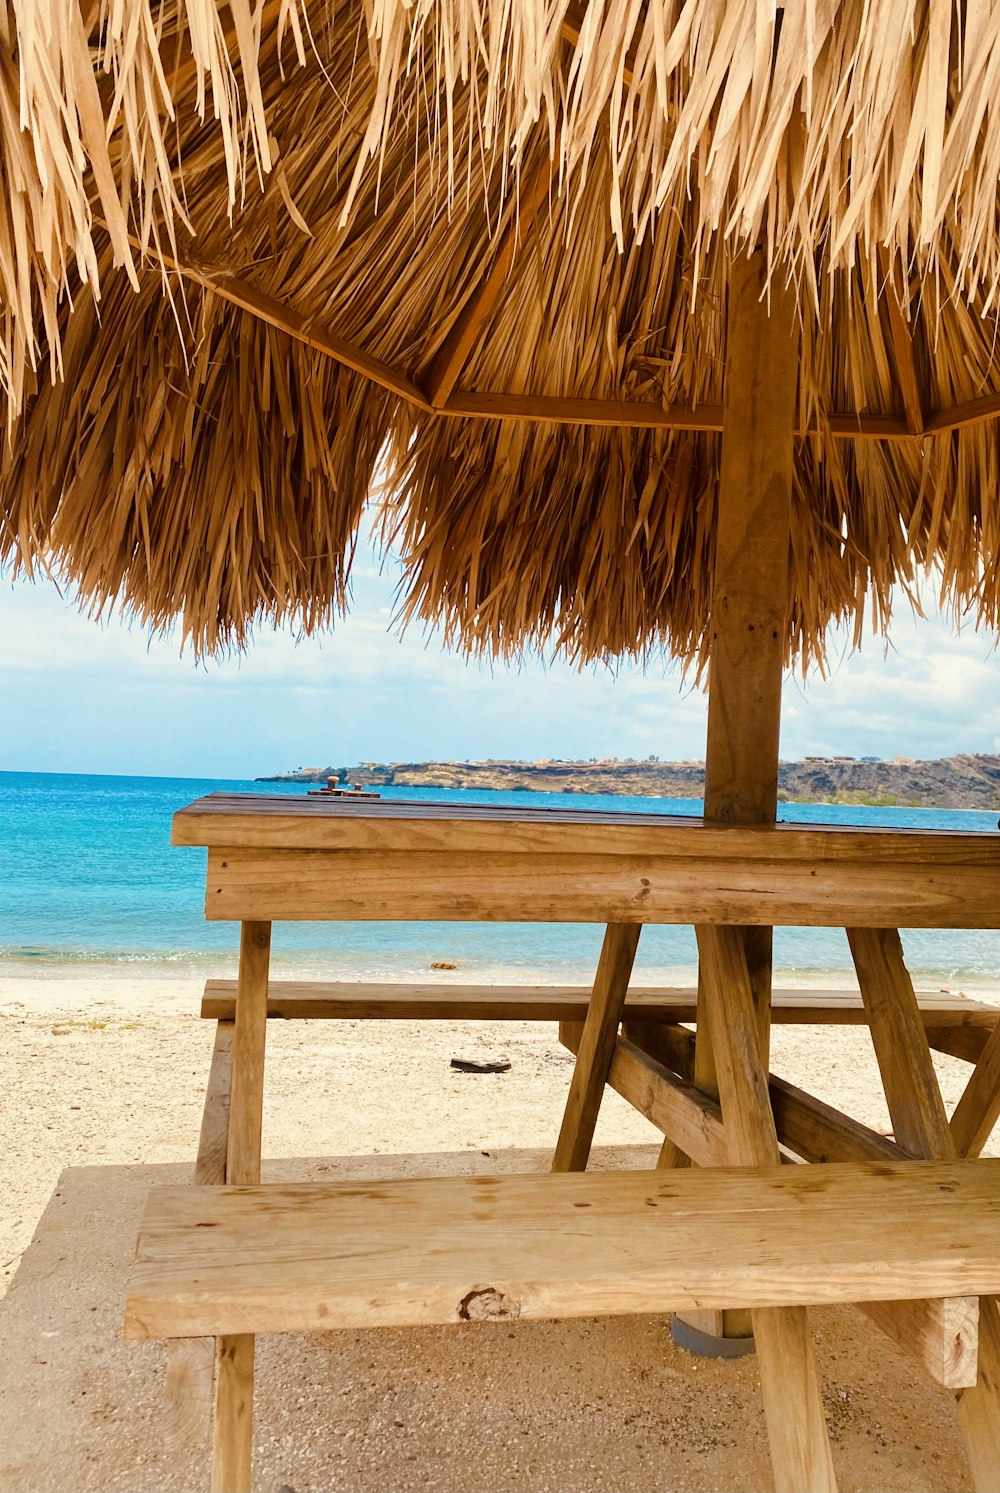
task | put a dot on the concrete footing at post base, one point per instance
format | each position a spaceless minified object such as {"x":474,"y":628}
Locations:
{"x":707,"y":1344}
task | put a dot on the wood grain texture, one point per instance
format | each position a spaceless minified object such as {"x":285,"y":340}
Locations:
{"x":978,"y":1110}
{"x":920,"y":1121}
{"x":818,"y":1132}
{"x":979,"y":1407}
{"x":597,"y":1044}
{"x":941,"y":1335}
{"x":213,"y":1143}
{"x":634,"y":414}
{"x":249,"y":1036}
{"x":431,"y":1001}
{"x":750,"y":604}
{"x":190,"y":1391}
{"x":731,"y":1017}
{"x":410,"y":1252}
{"x":504,"y":886}
{"x":232,"y":1444}
{"x":284,"y":821}
{"x":752,"y":528}
{"x":619,"y":414}
{"x":793,"y":1403}
{"x":666,"y":1041}
{"x":681,"y":1112}
{"x":966,"y":1040}
{"x":671,"y":1155}
{"x":810,"y":1128}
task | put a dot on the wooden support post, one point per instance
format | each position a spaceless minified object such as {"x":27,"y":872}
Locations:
{"x":941,"y":1335}
{"x":597,"y":1046}
{"x":789,"y":1380}
{"x":232,"y":1445}
{"x":750,"y":588}
{"x":191,"y":1361}
{"x":249,"y":1036}
{"x":921,"y":1125}
{"x":912,"y":1091}
{"x":671,"y":1155}
{"x":978,"y":1110}
{"x":190,"y":1392}
{"x":213,"y":1145}
{"x":750,"y":609}
{"x":979,"y":1408}
{"x":233,"y":1440}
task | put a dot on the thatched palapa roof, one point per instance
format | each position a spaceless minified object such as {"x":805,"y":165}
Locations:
{"x":252,"y":257}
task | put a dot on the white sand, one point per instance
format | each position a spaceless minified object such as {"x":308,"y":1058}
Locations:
{"x":109,"y":1071}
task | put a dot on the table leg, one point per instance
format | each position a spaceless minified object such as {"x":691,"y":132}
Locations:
{"x":213,"y":1145}
{"x":793,"y":1404}
{"x":597,"y":1045}
{"x":233,"y":1437}
{"x":921,"y":1125}
{"x":232,"y":1443}
{"x":732,"y":1328}
{"x":191,"y":1360}
{"x":249,"y":1034}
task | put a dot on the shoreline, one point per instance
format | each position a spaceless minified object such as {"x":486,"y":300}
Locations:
{"x":145,"y":987}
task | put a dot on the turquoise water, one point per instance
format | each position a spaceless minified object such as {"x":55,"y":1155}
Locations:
{"x":88,"y":878}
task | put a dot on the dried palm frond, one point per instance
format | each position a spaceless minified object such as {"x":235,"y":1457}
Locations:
{"x":88,"y":117}
{"x":197,"y":462}
{"x":855,"y":124}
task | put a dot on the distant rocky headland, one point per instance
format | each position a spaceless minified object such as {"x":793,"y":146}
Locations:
{"x":965,"y":782}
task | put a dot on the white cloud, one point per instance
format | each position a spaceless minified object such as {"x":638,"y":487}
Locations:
{"x":81,"y":696}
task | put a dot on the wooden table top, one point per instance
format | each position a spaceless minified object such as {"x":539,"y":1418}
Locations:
{"x":315,"y":822}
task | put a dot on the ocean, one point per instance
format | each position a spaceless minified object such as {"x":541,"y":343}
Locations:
{"x":90,"y":884}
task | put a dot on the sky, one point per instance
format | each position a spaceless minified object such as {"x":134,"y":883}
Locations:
{"x":81,"y":696}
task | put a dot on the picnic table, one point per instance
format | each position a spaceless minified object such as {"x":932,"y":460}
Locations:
{"x":904,"y":1226}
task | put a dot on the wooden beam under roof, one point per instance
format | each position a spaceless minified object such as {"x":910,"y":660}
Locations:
{"x":958,"y":416}
{"x":544,"y":409}
{"x":279,"y":314}
{"x":630,"y":413}
{"x":562,"y":411}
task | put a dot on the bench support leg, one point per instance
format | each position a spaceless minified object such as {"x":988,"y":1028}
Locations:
{"x":249,"y":1035}
{"x":232,"y":1444}
{"x":190,"y":1390}
{"x":233,"y":1436}
{"x":793,"y":1404}
{"x":597,"y":1046}
{"x":921,"y":1125}
{"x":191,"y":1361}
{"x":213,"y":1144}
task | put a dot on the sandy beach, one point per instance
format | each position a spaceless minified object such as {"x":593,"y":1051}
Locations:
{"x":101,"y":1085}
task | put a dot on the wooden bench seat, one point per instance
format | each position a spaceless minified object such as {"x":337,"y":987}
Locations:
{"x":238,"y":1260}
{"x":432,"y":1001}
